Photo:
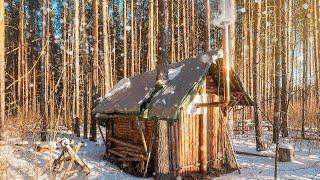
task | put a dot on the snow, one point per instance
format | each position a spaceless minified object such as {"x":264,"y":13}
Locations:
{"x":175,"y":72}
{"x":23,"y":162}
{"x":120,"y":86}
{"x":306,"y":164}
{"x":205,"y":58}
{"x":285,"y":146}
{"x":192,"y":107}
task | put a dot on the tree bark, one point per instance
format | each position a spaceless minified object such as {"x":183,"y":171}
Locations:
{"x":95,"y":64}
{"x":255,"y":75}
{"x":43,"y":94}
{"x":284,"y":86}
{"x":106,"y":57}
{"x":162,"y":132}
{"x":207,"y":25}
{"x":86,"y":71}
{"x":76,"y":62}
{"x":2,"y":68}
{"x":277,"y":78}
{"x":125,"y":68}
{"x":304,"y":74}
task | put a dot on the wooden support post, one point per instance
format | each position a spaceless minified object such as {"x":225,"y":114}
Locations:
{"x":142,"y":135}
{"x":101,"y":133}
{"x":203,"y":145}
{"x":149,"y":153}
{"x":204,"y":136}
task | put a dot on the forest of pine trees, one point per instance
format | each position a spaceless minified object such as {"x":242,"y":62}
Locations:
{"x":59,"y":59}
{"x":60,"y":56}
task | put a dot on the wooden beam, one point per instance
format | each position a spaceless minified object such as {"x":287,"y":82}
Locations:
{"x":126,"y":144}
{"x":101,"y":133}
{"x":142,"y":135}
{"x":212,"y":104}
{"x":218,"y":104}
{"x":117,"y":153}
{"x":203,"y":141}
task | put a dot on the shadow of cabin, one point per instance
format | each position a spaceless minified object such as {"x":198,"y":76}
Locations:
{"x":190,"y":101}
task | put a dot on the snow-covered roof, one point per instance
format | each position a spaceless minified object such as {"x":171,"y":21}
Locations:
{"x":137,"y":95}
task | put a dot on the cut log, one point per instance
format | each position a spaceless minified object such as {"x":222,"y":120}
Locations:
{"x":126,"y":144}
{"x":134,"y":155}
{"x":129,"y":159}
{"x":117,"y":153}
{"x":285,"y":153}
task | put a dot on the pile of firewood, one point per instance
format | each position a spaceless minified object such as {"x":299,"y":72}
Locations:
{"x":129,"y":154}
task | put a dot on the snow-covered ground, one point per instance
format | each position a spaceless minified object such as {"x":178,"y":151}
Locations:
{"x":306,"y":164}
{"x":23,"y":162}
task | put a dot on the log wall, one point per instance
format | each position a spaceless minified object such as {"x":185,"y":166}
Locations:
{"x":185,"y":136}
{"x":126,"y":129}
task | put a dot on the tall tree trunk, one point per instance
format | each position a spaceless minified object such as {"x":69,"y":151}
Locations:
{"x":95,"y":64}
{"x":132,"y":38}
{"x":77,"y":66}
{"x":277,"y":78}
{"x":284,"y":86}
{"x":162,"y":131}
{"x":304,"y":73}
{"x":2,"y":68}
{"x":106,"y":56}
{"x":255,"y":75}
{"x":207,"y":25}
{"x":43,"y":94}
{"x":86,"y":71}
{"x":316,"y":50}
{"x":125,"y":69}
{"x":21,"y":62}
{"x":65,"y":67}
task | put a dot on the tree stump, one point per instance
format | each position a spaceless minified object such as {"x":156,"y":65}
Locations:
{"x":285,"y":153}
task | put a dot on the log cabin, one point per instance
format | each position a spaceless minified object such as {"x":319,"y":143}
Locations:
{"x":192,"y":101}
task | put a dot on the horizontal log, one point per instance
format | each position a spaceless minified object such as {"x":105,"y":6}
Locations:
{"x":117,"y":153}
{"x":254,"y":154}
{"x":212,"y":104}
{"x":129,"y":159}
{"x":216,"y":104}
{"x":126,"y":144}
{"x":135,"y":155}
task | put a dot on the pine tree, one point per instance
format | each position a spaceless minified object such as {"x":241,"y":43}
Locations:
{"x":2,"y":68}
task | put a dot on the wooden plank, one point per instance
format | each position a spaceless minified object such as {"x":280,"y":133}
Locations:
{"x":126,"y":144}
{"x":143,"y":139}
{"x":102,"y":135}
{"x":178,"y":154}
{"x":74,"y":155}
{"x":117,"y":153}
{"x":134,"y":155}
{"x":203,"y":145}
{"x":73,"y":158}
{"x":149,"y":152}
{"x":129,"y":159}
{"x":173,"y":143}
{"x":183,"y":141}
{"x":187,"y":134}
